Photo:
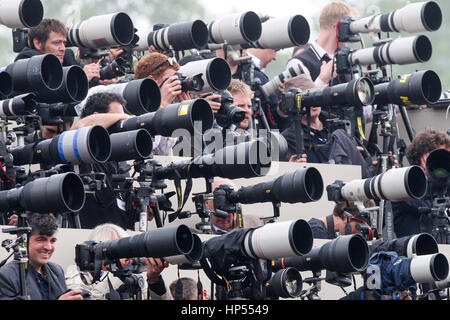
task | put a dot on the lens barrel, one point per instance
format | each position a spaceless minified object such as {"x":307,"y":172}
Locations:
{"x":74,"y":87}
{"x":131,"y":145}
{"x":103,"y":31}
{"x":21,"y":14}
{"x":286,"y":283}
{"x":358,"y":92}
{"x":400,"y":51}
{"x":179,"y":36}
{"x":56,"y":194}
{"x":396,"y":184}
{"x":345,"y":254}
{"x":272,"y":86}
{"x":236,"y":29}
{"x":281,"y":33}
{"x":195,"y":255}
{"x":185,"y":115}
{"x":6,"y":84}
{"x":438,"y":167}
{"x":216,"y":73}
{"x":85,"y":145}
{"x":413,"y":18}
{"x":418,"y":88}
{"x":20,"y":105}
{"x":302,"y":185}
{"x":429,"y":268}
{"x":37,"y":74}
{"x":157,"y":243}
{"x":278,"y":240}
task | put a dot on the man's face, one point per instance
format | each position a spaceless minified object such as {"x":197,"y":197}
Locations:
{"x":56,"y":44}
{"x":166,"y":74}
{"x":226,"y":224}
{"x":268,"y":56}
{"x":243,"y":101}
{"x":41,"y":249}
{"x":49,"y":132}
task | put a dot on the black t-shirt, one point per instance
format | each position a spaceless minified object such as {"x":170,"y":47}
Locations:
{"x":312,"y":140}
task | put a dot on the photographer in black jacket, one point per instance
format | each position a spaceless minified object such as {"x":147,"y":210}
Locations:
{"x":105,"y":205}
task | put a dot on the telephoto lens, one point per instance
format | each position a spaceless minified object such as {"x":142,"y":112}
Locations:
{"x":236,"y":29}
{"x":281,"y":33}
{"x":419,"y":244}
{"x":286,"y":283}
{"x":418,"y":88}
{"x":195,"y":255}
{"x":6,"y":84}
{"x":412,"y":18}
{"x":272,"y":86}
{"x":157,"y":243}
{"x":142,"y":96}
{"x":302,"y":185}
{"x":131,"y":145}
{"x":216,"y":73}
{"x":21,"y":13}
{"x":358,"y":92}
{"x":56,"y":194}
{"x":438,"y":168}
{"x":36,"y":74}
{"x":178,"y":36}
{"x":103,"y":31}
{"x":20,"y":105}
{"x":396,"y":184}
{"x":85,"y":145}
{"x":345,"y":254}
{"x":278,"y":240}
{"x":244,"y":160}
{"x":188,"y":115}
{"x":74,"y":88}
{"x":400,"y":51}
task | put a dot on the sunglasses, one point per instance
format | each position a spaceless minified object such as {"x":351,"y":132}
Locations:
{"x":170,"y":61}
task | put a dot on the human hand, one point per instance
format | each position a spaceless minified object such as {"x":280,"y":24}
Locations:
{"x":92,"y":70}
{"x":169,"y":90}
{"x":295,"y":158}
{"x":155,"y":267}
{"x":325,"y":71}
{"x":71,"y":295}
{"x":215,"y":106}
{"x":183,"y":96}
{"x":108,"y":82}
{"x":12,"y":220}
{"x":114,"y":53}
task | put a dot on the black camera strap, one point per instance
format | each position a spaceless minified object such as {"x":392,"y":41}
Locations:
{"x":181,"y":199}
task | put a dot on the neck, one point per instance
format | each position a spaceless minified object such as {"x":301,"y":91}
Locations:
{"x":315,"y":123}
{"x":38,"y":268}
{"x":327,"y":40}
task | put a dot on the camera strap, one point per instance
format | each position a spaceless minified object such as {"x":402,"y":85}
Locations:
{"x":181,"y":199}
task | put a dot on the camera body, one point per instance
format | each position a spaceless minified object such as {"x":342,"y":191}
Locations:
{"x":194,"y":83}
{"x":228,"y":113}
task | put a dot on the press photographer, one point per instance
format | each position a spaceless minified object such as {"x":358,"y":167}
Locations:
{"x":108,"y":285}
{"x":45,"y":279}
{"x":50,"y":36}
{"x":105,"y":205}
{"x":408,"y":215}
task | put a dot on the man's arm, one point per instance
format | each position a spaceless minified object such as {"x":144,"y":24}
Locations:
{"x":105,"y":120}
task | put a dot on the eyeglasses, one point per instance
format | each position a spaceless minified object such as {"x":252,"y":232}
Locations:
{"x":170,"y":61}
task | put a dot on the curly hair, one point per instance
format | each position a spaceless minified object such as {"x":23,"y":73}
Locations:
{"x":425,"y":142}
{"x":145,"y":66}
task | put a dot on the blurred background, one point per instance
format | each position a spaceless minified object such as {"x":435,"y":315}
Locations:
{"x":146,"y":13}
